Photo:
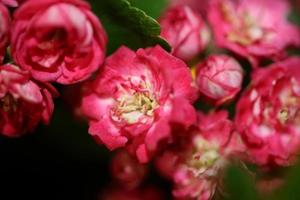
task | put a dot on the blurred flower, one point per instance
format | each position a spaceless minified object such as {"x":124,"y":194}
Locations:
{"x":219,"y":77}
{"x":127,"y":171}
{"x":268,"y":114}
{"x":136,"y":99}
{"x":4,"y":30}
{"x":200,"y":6}
{"x":196,"y":164}
{"x":58,"y":40}
{"x":186,"y":31}
{"x":254,"y":29}
{"x":23,"y":103}
{"x":146,"y":193}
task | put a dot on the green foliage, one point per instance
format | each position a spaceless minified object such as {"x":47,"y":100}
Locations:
{"x":239,"y":185}
{"x":129,"y":25}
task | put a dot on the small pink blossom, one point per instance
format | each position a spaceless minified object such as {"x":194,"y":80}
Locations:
{"x":186,"y":31}
{"x":196,"y":164}
{"x":199,"y":6}
{"x":219,"y":77}
{"x":268,"y":114}
{"x":4,"y":30}
{"x":137,"y":99}
{"x":58,"y":40}
{"x":23,"y":103}
{"x":127,"y":171}
{"x":254,"y":29}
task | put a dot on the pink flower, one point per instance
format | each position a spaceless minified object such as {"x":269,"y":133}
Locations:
{"x":219,"y":77}
{"x":254,"y":29}
{"x":185,"y":31}
{"x":268,"y":114}
{"x":199,"y":6}
{"x":23,"y":103}
{"x":58,"y":40}
{"x":127,"y":171}
{"x":136,"y":98}
{"x":196,"y":163}
{"x":4,"y":30}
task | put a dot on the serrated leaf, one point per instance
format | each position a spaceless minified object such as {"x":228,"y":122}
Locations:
{"x":128,"y":25}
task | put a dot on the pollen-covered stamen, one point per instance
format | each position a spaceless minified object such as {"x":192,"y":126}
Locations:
{"x":245,"y":28}
{"x":204,"y":156}
{"x":8,"y":104}
{"x":136,"y":104}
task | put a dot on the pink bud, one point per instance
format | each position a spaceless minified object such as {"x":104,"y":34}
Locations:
{"x":127,"y":170}
{"x":219,"y":77}
{"x":186,"y":31}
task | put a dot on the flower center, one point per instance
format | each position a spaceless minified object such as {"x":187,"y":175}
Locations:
{"x":136,"y":102}
{"x":133,"y":107}
{"x":245,"y":30}
{"x":205,"y":156}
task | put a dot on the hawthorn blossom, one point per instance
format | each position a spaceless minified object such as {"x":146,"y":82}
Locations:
{"x":23,"y":103}
{"x":254,"y":29}
{"x":268,"y":114}
{"x":137,"y":99}
{"x":196,"y":164}
{"x":58,"y":40}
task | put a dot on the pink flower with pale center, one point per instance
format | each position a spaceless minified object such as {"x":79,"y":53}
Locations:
{"x":4,"y":30}
{"x":254,"y":29}
{"x":58,"y":40}
{"x":268,"y":114}
{"x":186,"y":31}
{"x":137,"y":98}
{"x":23,"y":103}
{"x":196,"y":163}
{"x":219,"y":77}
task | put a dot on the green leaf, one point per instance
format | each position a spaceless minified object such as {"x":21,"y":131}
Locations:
{"x":128,"y":25}
{"x":239,"y":185}
{"x":290,"y":190}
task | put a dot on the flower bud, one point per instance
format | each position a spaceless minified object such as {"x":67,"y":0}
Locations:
{"x":219,"y":77}
{"x":186,"y":31}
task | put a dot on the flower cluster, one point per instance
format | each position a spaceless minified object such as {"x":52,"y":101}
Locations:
{"x":58,"y":41}
{"x":147,"y":102}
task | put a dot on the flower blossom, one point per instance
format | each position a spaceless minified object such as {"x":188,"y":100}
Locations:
{"x":137,"y":98}
{"x":196,"y":163}
{"x":254,"y":29}
{"x":268,"y":114}
{"x":23,"y":103}
{"x":58,"y":40}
